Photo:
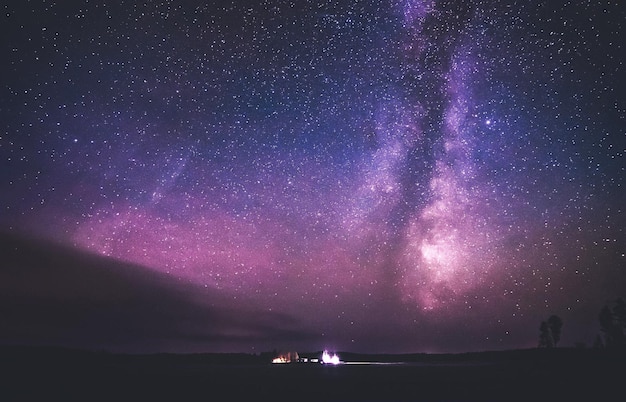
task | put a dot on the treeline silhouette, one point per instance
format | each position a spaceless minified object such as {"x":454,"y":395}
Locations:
{"x":612,"y":319}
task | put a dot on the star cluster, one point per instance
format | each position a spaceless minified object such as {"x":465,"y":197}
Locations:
{"x":397,"y":174}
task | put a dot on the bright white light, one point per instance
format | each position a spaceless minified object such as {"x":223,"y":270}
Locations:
{"x":328,"y":359}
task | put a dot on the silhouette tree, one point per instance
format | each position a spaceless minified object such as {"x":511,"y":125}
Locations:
{"x":606,"y":325}
{"x":550,"y":332}
{"x":555,"y":323}
{"x":545,"y":337}
{"x":613,"y":323}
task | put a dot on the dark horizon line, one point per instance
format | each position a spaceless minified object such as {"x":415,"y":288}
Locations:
{"x":103,"y":351}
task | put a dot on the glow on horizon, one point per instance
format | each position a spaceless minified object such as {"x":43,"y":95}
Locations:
{"x":328,"y":359}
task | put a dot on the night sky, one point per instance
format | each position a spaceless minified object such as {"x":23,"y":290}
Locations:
{"x":371,"y":176}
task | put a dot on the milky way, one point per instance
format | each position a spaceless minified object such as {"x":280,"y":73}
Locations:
{"x":392,"y":175}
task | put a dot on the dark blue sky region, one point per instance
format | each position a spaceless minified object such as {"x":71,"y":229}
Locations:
{"x":377,"y":176}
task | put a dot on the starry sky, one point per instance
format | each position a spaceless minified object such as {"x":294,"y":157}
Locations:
{"x":363,"y":175}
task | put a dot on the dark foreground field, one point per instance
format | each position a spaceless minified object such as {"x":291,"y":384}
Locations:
{"x":527,"y":375}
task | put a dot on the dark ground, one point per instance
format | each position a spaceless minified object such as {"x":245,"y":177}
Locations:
{"x":37,"y":374}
